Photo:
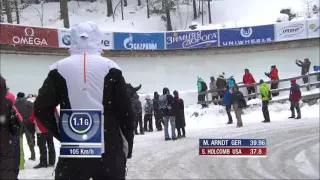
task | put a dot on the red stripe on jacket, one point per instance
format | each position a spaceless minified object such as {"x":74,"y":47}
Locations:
{"x":33,"y":120}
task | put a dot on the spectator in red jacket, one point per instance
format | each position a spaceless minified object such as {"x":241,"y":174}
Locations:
{"x":45,"y":143}
{"x":248,"y":79}
{"x":273,"y":75}
{"x":294,"y":98}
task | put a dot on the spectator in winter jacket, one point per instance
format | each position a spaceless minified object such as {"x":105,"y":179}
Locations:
{"x":166,"y":104}
{"x":294,"y":98}
{"x":157,"y":111}
{"x":227,"y":104}
{"x":249,"y":80}
{"x":231,"y":83}
{"x":305,"y":67}
{"x":178,"y":110}
{"x":238,"y":102}
{"x":100,"y":85}
{"x":317,"y":68}
{"x":17,"y":140}
{"x":148,"y":113}
{"x":202,"y":89}
{"x":45,"y":142}
{"x":137,"y":111}
{"x":265,"y":97}
{"x":25,"y":107}
{"x":221,"y":83}
{"x":213,"y":89}
{"x":273,"y":75}
{"x":10,"y":129}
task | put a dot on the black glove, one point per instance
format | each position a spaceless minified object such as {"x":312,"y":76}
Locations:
{"x":31,"y":128}
{"x":267,"y":74}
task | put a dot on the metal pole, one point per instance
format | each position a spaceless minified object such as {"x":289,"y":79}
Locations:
{"x":202,"y":12}
{"x":121,"y":9}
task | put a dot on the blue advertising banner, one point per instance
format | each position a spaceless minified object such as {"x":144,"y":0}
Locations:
{"x":138,"y":41}
{"x":247,"y":35}
{"x":192,"y":39}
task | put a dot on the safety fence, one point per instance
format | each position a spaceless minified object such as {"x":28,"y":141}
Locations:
{"x":241,"y":87}
{"x":12,"y":34}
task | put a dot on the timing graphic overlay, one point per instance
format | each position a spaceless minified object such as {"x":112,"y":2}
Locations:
{"x":233,"y":147}
{"x":80,"y":133}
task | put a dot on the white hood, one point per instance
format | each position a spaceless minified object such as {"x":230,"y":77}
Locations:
{"x":86,"y":37}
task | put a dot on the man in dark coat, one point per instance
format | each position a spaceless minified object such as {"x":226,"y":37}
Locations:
{"x":166,"y":103}
{"x":10,"y":127}
{"x":294,"y":98}
{"x":137,"y":111}
{"x":305,"y":67}
{"x":157,"y":111}
{"x":221,"y":83}
{"x":25,"y":108}
{"x":178,"y":110}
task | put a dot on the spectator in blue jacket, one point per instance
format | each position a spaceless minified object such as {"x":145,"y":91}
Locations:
{"x":227,"y":103}
{"x":231,"y":82}
{"x":317,"y":68}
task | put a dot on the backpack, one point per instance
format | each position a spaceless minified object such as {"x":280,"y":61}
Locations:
{"x":204,"y":86}
{"x":163,"y":102}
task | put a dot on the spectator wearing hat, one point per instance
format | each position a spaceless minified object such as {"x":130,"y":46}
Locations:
{"x":248,"y":80}
{"x":273,"y":75}
{"x":265,"y":97}
{"x":178,"y":111}
{"x":294,"y":98}
{"x":148,"y":113}
{"x":221,"y":83}
{"x":305,"y":67}
{"x":213,"y":89}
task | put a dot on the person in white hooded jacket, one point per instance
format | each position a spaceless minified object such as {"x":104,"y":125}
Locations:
{"x":86,"y":80}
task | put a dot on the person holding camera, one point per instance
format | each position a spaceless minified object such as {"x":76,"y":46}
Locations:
{"x":25,"y":107}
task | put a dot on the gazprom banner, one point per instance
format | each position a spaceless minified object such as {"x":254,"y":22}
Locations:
{"x":247,"y":35}
{"x":192,"y":39}
{"x":313,"y":27}
{"x":138,"y":41}
{"x":288,"y":31}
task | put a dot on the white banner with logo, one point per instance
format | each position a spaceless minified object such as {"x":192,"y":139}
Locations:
{"x":291,"y":30}
{"x":313,"y":26}
{"x":64,"y":39}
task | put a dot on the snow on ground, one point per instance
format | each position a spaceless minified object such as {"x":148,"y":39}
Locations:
{"x":225,"y":14}
{"x":293,"y":148}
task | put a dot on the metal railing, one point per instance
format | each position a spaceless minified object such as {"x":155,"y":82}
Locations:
{"x":308,"y":85}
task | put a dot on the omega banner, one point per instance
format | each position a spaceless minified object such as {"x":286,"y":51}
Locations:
{"x":28,"y":36}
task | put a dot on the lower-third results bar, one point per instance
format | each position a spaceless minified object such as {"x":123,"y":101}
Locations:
{"x":248,"y":151}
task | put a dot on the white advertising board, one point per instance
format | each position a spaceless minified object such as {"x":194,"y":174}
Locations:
{"x":313,"y":26}
{"x":64,"y":39}
{"x":291,"y":30}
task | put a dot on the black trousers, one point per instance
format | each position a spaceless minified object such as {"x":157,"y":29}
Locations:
{"x":45,"y":143}
{"x":265,"y":110}
{"x":295,"y":105}
{"x":274,"y":86}
{"x":251,"y":90}
{"x":202,"y":97}
{"x":215,"y":98}
{"x":138,"y":121}
{"x":228,"y":109}
{"x":107,"y":167}
{"x":158,"y":119}
{"x":179,"y":131}
{"x":147,"y":120}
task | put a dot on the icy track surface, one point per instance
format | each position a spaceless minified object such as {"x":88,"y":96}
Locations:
{"x":293,"y":148}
